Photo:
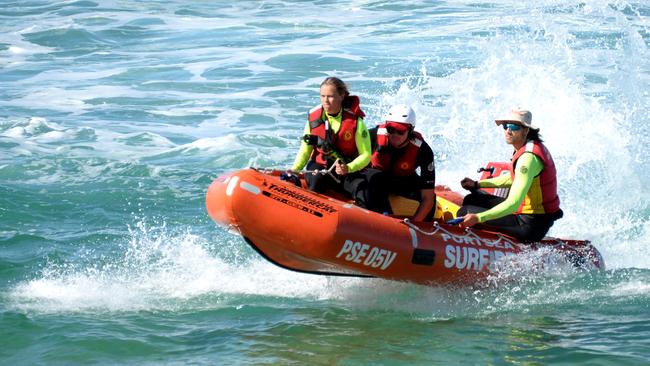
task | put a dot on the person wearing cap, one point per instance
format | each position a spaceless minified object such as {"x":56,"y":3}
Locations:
{"x":335,"y":135}
{"x":398,"y":152}
{"x":532,"y":204}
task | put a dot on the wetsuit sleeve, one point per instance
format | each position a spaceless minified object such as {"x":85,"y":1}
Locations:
{"x":304,"y":153}
{"x":501,"y":181}
{"x":362,"y":139}
{"x":528,"y":166}
{"x":427,"y":167}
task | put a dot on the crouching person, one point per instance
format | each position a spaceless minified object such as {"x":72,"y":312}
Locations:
{"x":398,"y":153}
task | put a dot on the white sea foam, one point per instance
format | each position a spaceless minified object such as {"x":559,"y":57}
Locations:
{"x":16,"y":50}
{"x":158,"y":270}
{"x":161,"y":270}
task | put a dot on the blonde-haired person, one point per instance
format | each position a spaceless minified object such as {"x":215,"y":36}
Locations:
{"x":532,"y":204}
{"x":335,"y":134}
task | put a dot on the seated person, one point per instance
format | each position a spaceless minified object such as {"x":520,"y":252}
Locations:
{"x":398,"y":152}
{"x":335,"y":135}
{"x":532,"y":205}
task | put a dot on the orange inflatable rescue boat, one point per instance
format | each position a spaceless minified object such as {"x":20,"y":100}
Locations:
{"x":309,"y":232}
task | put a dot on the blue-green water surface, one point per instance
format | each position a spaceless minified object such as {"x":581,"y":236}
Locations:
{"x":115,"y":116}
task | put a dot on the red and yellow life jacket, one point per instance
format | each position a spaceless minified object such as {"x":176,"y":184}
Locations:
{"x":403,"y":165}
{"x":342,"y":142}
{"x":542,"y":196}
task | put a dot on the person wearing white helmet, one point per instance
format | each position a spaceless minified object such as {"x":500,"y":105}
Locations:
{"x":398,"y":153}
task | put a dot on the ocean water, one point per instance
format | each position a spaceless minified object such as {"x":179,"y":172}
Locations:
{"x":115,"y":116}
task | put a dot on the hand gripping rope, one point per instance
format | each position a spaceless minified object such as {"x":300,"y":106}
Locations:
{"x":326,"y":171}
{"x":286,"y":176}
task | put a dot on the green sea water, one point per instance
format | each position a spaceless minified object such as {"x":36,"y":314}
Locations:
{"x":115,"y":116}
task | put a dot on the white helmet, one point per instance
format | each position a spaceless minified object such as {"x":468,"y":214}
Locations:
{"x":401,"y":113}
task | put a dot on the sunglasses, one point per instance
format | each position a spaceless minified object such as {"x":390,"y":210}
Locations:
{"x":394,"y":131}
{"x":512,"y":126}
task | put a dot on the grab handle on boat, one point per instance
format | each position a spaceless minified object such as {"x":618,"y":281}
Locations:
{"x":455,"y":221}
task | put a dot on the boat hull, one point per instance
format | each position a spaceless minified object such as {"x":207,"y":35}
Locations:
{"x":308,"y":232}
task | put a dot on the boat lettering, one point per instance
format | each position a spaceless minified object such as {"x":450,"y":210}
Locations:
{"x":472,"y":240}
{"x":473,"y":258}
{"x":324,"y":206}
{"x":366,"y":254}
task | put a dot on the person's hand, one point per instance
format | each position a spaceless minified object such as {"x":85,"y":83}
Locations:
{"x":468,"y":184}
{"x":287,"y":173}
{"x":341,"y":168}
{"x":290,"y":176}
{"x":469,"y":220}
